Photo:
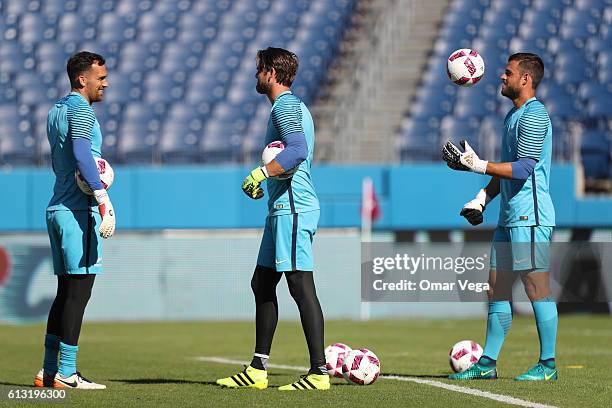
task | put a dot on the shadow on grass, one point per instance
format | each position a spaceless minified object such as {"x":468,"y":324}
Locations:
{"x":29,"y":385}
{"x":162,"y":381}
{"x":416,"y":375}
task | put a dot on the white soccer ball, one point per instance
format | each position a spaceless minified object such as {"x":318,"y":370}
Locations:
{"x":465,"y":67}
{"x":334,"y":358}
{"x":463,"y":355}
{"x":361,"y":366}
{"x":270,"y":152}
{"x":107,"y":176}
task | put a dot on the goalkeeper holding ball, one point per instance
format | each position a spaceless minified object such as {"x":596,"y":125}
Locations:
{"x":526,"y":218}
{"x":286,"y":245}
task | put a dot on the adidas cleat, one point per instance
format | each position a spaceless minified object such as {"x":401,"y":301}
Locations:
{"x":76,"y":381}
{"x":44,"y":379}
{"x":248,"y":378}
{"x":539,"y":372}
{"x":475,"y":372}
{"x":308,"y":382}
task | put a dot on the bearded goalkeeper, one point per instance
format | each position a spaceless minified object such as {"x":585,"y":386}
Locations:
{"x":526,"y":219}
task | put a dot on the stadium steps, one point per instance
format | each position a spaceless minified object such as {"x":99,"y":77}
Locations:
{"x":375,"y":88}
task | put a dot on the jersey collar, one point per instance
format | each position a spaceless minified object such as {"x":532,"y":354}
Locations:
{"x":279,"y":96}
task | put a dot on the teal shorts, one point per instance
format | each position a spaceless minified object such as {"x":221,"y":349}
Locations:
{"x":75,"y":244}
{"x":286,"y":244}
{"x":521,"y":248}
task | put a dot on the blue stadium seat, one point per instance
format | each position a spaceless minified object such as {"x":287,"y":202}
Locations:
{"x":595,"y":151}
{"x":140,"y":132}
{"x":177,"y":57}
{"x":595,"y":45}
{"x":51,"y":58}
{"x":14,"y":58}
{"x":181,"y":135}
{"x":75,"y":27}
{"x":116,"y":28}
{"x":16,"y":141}
{"x":198,"y":27}
{"x":600,"y":107}
{"x":133,"y":7}
{"x":537,"y":31}
{"x":121,"y":90}
{"x":157,"y":27}
{"x":219,"y":144}
{"x":59,"y":6}
{"x":161,"y":87}
{"x":136,"y":56}
{"x":95,"y":7}
{"x":33,"y":28}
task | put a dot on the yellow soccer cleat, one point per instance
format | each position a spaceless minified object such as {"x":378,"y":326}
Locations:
{"x":308,"y":382}
{"x":248,"y":378}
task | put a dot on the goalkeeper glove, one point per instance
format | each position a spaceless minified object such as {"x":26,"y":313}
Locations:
{"x":107,"y":227}
{"x":252,"y":183}
{"x":472,"y":211}
{"x":467,"y":160}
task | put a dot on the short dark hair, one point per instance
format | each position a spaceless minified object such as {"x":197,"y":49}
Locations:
{"x":79,"y":63}
{"x":531,"y":64}
{"x":284,"y":62}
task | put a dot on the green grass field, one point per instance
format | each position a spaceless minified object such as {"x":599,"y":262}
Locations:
{"x":146,"y":364}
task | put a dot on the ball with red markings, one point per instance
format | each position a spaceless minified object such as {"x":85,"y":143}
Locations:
{"x":465,"y":67}
{"x":463,"y":354}
{"x":107,"y":176}
{"x":361,"y":366}
{"x":334,"y":358}
{"x":270,"y":152}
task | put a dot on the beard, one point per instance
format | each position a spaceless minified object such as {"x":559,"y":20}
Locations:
{"x":509,"y":92}
{"x":262,"y":88}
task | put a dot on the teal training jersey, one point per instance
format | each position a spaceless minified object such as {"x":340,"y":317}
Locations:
{"x":71,"y":117}
{"x":297,"y":194}
{"x":527,"y":133}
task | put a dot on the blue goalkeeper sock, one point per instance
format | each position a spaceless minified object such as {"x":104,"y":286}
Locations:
{"x":498,"y":324}
{"x":51,"y":349}
{"x":545,"y":311}
{"x":67,"y":365}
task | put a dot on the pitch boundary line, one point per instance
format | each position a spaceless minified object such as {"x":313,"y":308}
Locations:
{"x":450,"y":387}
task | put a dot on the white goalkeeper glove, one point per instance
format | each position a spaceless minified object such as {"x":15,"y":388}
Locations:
{"x":472,"y":211}
{"x":107,"y":228}
{"x":467,"y":160}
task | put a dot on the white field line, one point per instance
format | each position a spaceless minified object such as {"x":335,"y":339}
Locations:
{"x":451,"y":387}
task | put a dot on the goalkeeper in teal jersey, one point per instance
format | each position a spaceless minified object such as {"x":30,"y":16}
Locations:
{"x":526,"y":219}
{"x":286,"y":245}
{"x":75,"y":221}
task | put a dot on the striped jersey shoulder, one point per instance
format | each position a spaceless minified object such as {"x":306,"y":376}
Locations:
{"x":79,"y":106}
{"x":536,"y":110}
{"x":287,"y":101}
{"x":287,"y":114}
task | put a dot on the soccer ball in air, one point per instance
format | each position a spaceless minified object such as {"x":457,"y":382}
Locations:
{"x":334,"y":358}
{"x":361,"y":366}
{"x":270,"y":152}
{"x":107,"y":175}
{"x":463,"y":355}
{"x":465,"y":67}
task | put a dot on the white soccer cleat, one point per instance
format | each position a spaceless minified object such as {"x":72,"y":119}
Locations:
{"x":76,"y":381}
{"x":44,"y":379}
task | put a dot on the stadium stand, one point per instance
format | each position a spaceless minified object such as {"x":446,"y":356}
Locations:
{"x":573,"y":38}
{"x":181,"y":73}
